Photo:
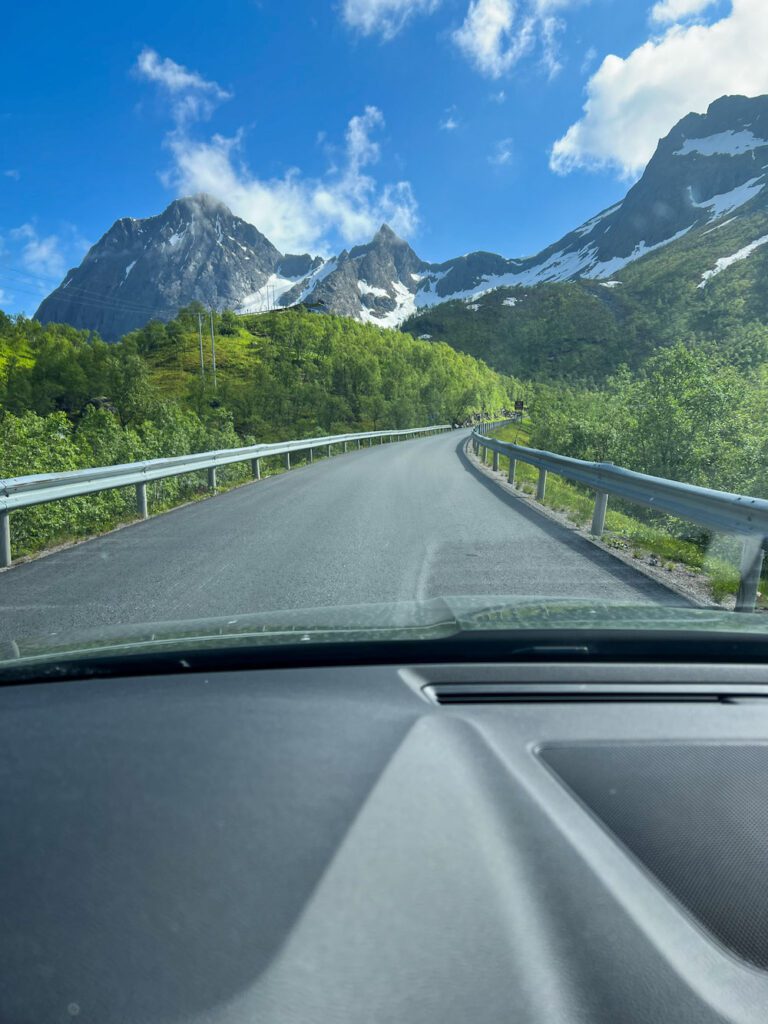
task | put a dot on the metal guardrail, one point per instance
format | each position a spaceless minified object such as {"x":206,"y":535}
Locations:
{"x":491,"y":425}
{"x":720,"y":511}
{"x":24,"y":491}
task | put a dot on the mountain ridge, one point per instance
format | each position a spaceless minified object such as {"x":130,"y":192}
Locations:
{"x":709,"y":166}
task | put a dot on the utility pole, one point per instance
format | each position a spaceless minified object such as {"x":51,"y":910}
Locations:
{"x":213,"y":353}
{"x":200,"y":339}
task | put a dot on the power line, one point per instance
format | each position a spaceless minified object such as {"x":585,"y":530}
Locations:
{"x":100,"y":304}
{"x":200,"y":338}
{"x":80,"y":292}
{"x":213,"y":353}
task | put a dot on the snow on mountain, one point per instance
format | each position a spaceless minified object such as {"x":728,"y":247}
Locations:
{"x":728,"y":143}
{"x":144,"y":269}
{"x":709,"y":166}
{"x":726,"y":261}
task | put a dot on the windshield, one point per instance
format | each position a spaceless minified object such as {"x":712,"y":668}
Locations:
{"x":382,"y":318}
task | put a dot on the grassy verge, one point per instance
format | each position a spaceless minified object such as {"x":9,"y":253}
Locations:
{"x":718,"y":564}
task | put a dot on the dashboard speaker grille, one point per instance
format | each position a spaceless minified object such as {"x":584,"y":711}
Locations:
{"x":696,"y":816}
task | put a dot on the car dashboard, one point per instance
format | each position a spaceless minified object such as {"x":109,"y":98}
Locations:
{"x":544,"y":841}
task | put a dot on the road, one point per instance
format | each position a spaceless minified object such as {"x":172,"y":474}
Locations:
{"x":398,"y":522}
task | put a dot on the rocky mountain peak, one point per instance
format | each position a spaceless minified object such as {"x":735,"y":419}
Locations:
{"x":196,"y":249}
{"x":386,"y":236}
{"x":710,"y":167}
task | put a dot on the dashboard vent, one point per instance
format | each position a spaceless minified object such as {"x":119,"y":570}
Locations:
{"x":518,"y":693}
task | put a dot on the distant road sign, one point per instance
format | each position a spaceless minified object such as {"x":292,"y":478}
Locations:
{"x":519,"y":405}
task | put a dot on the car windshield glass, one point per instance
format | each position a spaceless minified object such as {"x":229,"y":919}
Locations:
{"x":382,"y":318}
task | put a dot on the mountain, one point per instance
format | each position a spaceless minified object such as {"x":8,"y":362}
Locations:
{"x":684,"y":255}
{"x":708,"y":172}
{"x":145,"y":269}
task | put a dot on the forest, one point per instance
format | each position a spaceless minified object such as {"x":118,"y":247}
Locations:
{"x":69,"y":400}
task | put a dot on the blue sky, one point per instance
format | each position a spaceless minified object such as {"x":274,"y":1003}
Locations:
{"x":467,"y":124}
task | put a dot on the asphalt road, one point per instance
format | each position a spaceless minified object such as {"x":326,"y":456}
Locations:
{"x":398,"y":522}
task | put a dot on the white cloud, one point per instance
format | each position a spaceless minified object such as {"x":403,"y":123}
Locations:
{"x":41,"y":255}
{"x":194,"y":96}
{"x":666,"y":11}
{"x":633,"y":101}
{"x":502,"y":153}
{"x":383,"y":17}
{"x":12,"y":173}
{"x":295,"y":212}
{"x":492,"y":38}
{"x":450,"y":122}
{"x":498,"y":97}
{"x":44,"y":258}
{"x":496,"y":34}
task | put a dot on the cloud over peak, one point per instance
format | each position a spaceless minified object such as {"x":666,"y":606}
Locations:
{"x":635,"y":100}
{"x":193,"y":96}
{"x":296,"y":212}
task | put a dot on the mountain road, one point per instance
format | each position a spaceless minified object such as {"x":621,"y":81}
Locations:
{"x":404,"y":521}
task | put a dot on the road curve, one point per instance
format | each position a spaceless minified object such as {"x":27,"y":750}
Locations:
{"x":398,"y":522}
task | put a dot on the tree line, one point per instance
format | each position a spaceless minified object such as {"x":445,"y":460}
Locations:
{"x":69,"y":400}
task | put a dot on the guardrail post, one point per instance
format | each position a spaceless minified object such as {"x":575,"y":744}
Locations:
{"x":541,"y":485}
{"x":598,"y":517}
{"x":345,"y":447}
{"x":287,"y":460}
{"x":358,"y":443}
{"x":311,"y":455}
{"x":141,"y":500}
{"x":212,"y":478}
{"x":512,"y":468}
{"x":475,"y":445}
{"x":751,"y":567}
{"x":256,"y":468}
{"x":329,"y":451}
{"x":5,"y":539}
{"x":601,"y":507}
{"x":495,"y":462}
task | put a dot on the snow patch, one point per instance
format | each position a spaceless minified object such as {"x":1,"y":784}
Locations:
{"x":405,"y":306}
{"x":369,"y":289}
{"x":509,"y":302}
{"x":269,"y":295}
{"x":609,"y":267}
{"x":425,"y":337}
{"x":473,"y":306}
{"x":718,"y":226}
{"x":725,"y":202}
{"x":175,"y":238}
{"x":728,"y":143}
{"x":726,"y":261}
{"x":610,"y":284}
{"x":588,"y":225}
{"x":276,"y":286}
{"x":128,"y":269}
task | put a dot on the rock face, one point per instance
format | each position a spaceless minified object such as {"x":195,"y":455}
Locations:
{"x":375,"y":282}
{"x":710,"y":167}
{"x":145,"y":269}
